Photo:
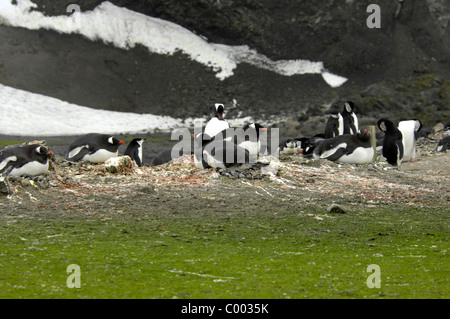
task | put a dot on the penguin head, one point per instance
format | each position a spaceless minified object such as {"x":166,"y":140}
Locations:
{"x":255,"y":126}
{"x":219,"y":108}
{"x":114,"y":141}
{"x":349,"y":107}
{"x":386,"y":125}
{"x":363,"y":135}
{"x":42,"y":152}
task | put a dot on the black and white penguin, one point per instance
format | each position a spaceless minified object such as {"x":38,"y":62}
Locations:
{"x":27,"y":160}
{"x":217,"y":123}
{"x":443,"y":145}
{"x":409,"y":129}
{"x":308,"y":145}
{"x":292,"y":145}
{"x":347,"y":148}
{"x":392,"y":142}
{"x":350,"y":119}
{"x":134,"y":150}
{"x":248,"y":137}
{"x":220,"y":153}
{"x":94,"y":148}
{"x":288,"y":146}
{"x":335,"y":125}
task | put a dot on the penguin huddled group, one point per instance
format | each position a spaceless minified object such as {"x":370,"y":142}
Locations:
{"x":222,"y":146}
{"x":33,"y":160}
{"x":344,"y":142}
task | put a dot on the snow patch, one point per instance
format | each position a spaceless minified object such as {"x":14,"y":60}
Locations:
{"x":125,"y":28}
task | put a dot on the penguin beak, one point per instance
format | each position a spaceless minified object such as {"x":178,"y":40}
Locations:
{"x":220,"y":117}
{"x":193,"y":135}
{"x":49,"y":153}
{"x":121,"y":142}
{"x":265,"y":129}
{"x":300,"y":152}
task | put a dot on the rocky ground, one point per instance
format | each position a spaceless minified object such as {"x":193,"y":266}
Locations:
{"x":178,"y":187}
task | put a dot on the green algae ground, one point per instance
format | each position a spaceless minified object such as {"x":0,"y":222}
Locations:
{"x":268,"y":253}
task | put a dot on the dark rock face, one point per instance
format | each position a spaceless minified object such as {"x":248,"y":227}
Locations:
{"x":93,"y":74}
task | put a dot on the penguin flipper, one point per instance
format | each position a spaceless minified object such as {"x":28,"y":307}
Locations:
{"x":336,"y":155}
{"x":7,"y":165}
{"x":78,"y":153}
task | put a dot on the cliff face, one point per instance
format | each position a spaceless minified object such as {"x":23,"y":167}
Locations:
{"x":414,"y":43}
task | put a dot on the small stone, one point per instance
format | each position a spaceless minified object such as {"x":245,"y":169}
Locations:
{"x":336,"y":209}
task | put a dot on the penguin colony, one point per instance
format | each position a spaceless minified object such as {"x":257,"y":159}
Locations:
{"x":220,"y":146}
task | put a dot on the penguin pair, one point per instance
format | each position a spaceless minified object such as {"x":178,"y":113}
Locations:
{"x":24,"y":160}
{"x":249,"y":137}
{"x":309,"y":144}
{"x":347,"y":148}
{"x":228,"y":148}
{"x":98,"y":148}
{"x":210,"y":153}
{"x":345,"y":122}
{"x":399,"y":142}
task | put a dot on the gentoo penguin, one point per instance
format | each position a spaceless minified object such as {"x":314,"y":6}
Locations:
{"x":27,"y":160}
{"x":217,"y":123}
{"x":134,"y":150}
{"x":94,"y":148}
{"x":347,"y":148}
{"x":308,"y":146}
{"x":248,"y":137}
{"x":288,"y":146}
{"x":292,"y":145}
{"x":443,"y":145}
{"x":392,"y":142}
{"x":350,"y":118}
{"x":220,"y":153}
{"x":409,"y":130}
{"x":335,"y":125}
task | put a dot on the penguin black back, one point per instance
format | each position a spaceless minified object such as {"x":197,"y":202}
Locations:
{"x":392,"y":142}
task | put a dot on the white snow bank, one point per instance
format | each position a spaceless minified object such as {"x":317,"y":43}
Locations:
{"x":125,"y":28}
{"x":24,"y":113}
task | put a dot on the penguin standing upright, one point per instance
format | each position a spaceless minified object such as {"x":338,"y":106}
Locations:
{"x":392,"y":142}
{"x":27,"y":160}
{"x":347,"y":148}
{"x":335,"y":125}
{"x":217,"y":123}
{"x":409,"y":129}
{"x":134,"y":151}
{"x":350,"y":119}
{"x":94,"y":148}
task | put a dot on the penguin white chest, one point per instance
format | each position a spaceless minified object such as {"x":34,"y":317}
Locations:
{"x":360,"y":155}
{"x":215,"y":126}
{"x":100,"y":156}
{"x":31,"y":169}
